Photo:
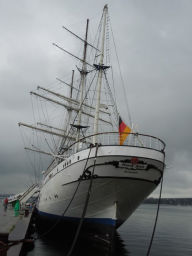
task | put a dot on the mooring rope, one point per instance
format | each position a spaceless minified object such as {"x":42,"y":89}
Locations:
{"x":156,"y":218}
{"x":5,"y":246}
{"x":85,"y":206}
{"x":73,"y":196}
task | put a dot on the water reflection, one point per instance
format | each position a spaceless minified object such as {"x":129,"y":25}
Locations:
{"x":85,"y":246}
{"x":119,"y":246}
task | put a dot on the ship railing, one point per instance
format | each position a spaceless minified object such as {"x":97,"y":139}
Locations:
{"x":113,"y":139}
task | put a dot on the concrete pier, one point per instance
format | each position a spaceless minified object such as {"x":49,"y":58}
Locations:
{"x":14,"y":228}
{"x":8,"y":221}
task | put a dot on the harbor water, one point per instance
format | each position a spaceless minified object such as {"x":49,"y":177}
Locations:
{"x":173,"y":235}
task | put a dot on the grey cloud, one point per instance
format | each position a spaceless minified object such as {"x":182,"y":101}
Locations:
{"x":154,"y":41}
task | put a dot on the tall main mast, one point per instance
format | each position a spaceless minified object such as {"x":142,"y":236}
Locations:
{"x":100,"y":69}
{"x":83,"y":72}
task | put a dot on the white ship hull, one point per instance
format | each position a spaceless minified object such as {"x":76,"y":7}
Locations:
{"x":119,"y":184}
{"x":101,"y":169}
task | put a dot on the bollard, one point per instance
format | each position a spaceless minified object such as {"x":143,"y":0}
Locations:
{"x":26,"y":213}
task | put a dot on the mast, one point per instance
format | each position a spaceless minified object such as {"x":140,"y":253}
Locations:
{"x":70,"y":96}
{"x":83,"y":73}
{"x":100,"y":68}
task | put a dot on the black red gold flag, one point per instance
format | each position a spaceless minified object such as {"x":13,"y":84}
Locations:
{"x":124,"y":131}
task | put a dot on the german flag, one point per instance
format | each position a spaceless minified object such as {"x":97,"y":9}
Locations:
{"x":124,"y":131}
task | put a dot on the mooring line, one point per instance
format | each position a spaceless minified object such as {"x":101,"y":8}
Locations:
{"x":85,"y":206}
{"x":66,"y":209}
{"x":156,"y":218}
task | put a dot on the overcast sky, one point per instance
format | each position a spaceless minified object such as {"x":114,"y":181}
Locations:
{"x":154,"y":43}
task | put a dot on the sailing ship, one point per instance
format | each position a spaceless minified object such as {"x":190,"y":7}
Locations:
{"x":101,"y":169}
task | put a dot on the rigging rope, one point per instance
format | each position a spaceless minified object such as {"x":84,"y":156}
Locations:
{"x":33,"y":167}
{"x":113,"y":100}
{"x":79,"y":107}
{"x":122,"y":81}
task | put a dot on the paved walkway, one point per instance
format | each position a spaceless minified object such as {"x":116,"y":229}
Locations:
{"x":16,"y":227}
{"x":7,"y":220}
